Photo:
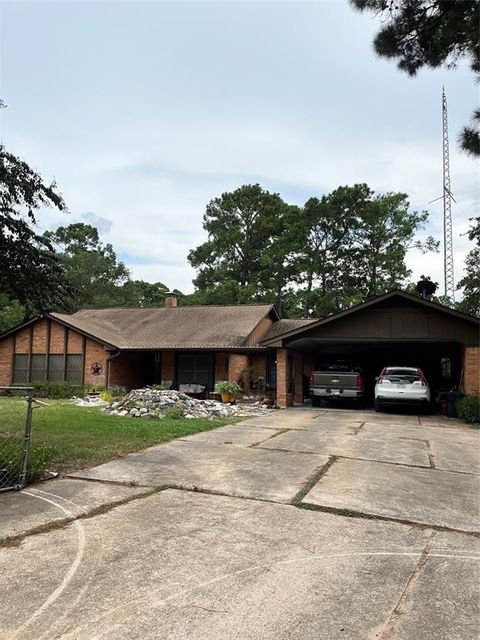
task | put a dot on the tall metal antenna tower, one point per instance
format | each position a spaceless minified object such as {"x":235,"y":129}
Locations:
{"x":449,"y":275}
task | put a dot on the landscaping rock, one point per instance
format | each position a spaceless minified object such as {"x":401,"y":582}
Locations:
{"x":156,"y":403}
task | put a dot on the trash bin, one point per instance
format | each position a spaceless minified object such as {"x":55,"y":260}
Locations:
{"x":452,"y":398}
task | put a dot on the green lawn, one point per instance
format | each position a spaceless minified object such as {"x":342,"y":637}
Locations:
{"x":66,"y":437}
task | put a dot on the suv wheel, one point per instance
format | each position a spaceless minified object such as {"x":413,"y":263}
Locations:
{"x":378,"y":406}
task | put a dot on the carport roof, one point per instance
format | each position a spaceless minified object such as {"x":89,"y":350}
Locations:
{"x":280,"y":332}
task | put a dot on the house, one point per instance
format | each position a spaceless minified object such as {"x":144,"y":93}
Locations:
{"x":177,"y":345}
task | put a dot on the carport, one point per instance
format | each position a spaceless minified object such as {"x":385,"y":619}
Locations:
{"x":393,"y":329}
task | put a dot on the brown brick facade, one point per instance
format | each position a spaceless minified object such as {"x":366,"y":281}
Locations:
{"x":282,"y":378}
{"x":6,"y":361}
{"x":237,"y":364}
{"x":94,"y":354}
{"x":471,"y":376}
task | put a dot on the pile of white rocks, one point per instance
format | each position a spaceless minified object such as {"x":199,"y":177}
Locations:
{"x":155,"y":403}
{"x":90,"y":401}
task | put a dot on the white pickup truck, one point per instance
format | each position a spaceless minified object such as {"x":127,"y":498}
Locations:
{"x":338,"y":380}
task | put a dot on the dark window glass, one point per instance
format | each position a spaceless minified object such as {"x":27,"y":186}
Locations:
{"x":39,"y":363}
{"x":193,"y":368}
{"x":20,"y":368}
{"x":271,"y":370}
{"x":74,"y":368}
{"x":402,"y":375}
{"x":446,"y":367}
{"x":55,"y":368}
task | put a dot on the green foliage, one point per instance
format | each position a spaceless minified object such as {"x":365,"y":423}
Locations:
{"x":468,"y":409}
{"x":118,"y":391}
{"x":470,"y":283}
{"x":39,"y":459}
{"x":106,"y":396}
{"x":175,"y":413}
{"x":70,"y":437}
{"x":91,"y":266}
{"x":224,"y":386}
{"x":336,"y":251}
{"x":241,"y":261}
{"x":30,"y":272}
{"x":11,"y":312}
{"x":56,"y":390}
{"x":429,"y":33}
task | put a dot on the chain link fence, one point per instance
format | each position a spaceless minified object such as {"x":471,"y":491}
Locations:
{"x":15,"y":432}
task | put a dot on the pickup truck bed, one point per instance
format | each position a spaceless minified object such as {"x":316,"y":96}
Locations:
{"x":338,"y":385}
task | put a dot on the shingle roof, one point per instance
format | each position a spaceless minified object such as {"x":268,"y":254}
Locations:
{"x":288,"y":324}
{"x":195,"y":327}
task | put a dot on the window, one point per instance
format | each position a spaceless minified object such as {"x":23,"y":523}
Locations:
{"x":39,"y":363}
{"x":271,"y":369}
{"x":20,"y":368}
{"x":55,"y":368}
{"x":74,"y":369}
{"x":446,"y":365}
{"x":195,"y":368}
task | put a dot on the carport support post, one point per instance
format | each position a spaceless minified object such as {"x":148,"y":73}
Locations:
{"x":282,"y":378}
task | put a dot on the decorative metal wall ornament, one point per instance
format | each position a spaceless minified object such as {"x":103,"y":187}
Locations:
{"x":97,"y":368}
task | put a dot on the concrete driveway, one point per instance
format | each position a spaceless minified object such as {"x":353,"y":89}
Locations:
{"x":306,"y":524}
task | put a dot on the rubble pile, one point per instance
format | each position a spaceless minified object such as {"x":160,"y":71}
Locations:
{"x":155,"y":403}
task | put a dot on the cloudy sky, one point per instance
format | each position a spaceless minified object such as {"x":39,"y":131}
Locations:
{"x":143,"y":112}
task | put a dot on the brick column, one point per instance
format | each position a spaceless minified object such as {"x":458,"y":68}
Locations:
{"x":471,"y":371}
{"x":298,"y":376}
{"x":282,"y":378}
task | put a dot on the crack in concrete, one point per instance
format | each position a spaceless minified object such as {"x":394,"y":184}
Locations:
{"x":312,"y":481}
{"x":279,"y":433}
{"x":387,"y":630}
{"x":351,"y":513}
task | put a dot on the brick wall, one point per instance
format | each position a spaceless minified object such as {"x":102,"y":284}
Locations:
{"x":237,"y":363}
{"x":75,"y":342}
{"x":57,"y":338}
{"x":282,"y":378}
{"x":22,"y":340}
{"x":39,"y":337}
{"x":471,"y":376}
{"x":6,"y":360}
{"x":94,"y":352}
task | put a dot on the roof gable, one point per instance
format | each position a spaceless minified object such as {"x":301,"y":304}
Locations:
{"x":385,"y":300}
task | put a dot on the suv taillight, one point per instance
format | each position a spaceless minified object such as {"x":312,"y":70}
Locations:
{"x":310,"y":380}
{"x":360,"y":382}
{"x":381,"y":377}
{"x":423,"y":382}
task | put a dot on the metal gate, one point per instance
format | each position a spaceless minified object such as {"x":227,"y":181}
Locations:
{"x":15,"y":431}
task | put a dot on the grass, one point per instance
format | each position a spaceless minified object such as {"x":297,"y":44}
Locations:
{"x":66,"y":437}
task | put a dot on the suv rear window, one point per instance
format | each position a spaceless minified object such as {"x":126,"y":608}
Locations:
{"x":402,"y":375}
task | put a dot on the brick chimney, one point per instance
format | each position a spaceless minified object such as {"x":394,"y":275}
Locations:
{"x":171,"y":300}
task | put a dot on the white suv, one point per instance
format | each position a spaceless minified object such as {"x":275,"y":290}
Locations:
{"x":402,"y":385}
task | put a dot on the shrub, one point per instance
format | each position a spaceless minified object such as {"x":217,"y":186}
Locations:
{"x":118,"y":391}
{"x":174,"y":413}
{"x":224,"y":386}
{"x":106,"y":396}
{"x":469,"y":408}
{"x":56,"y":390}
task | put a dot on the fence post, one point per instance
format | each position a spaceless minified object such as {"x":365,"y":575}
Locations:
{"x":26,"y":440}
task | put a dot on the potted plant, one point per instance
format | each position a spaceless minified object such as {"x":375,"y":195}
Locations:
{"x":228,"y":390}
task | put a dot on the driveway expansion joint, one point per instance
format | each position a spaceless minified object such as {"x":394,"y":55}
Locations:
{"x":351,"y":513}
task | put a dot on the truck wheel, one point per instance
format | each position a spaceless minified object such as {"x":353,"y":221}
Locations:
{"x":316,"y":401}
{"x":378,"y":406}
